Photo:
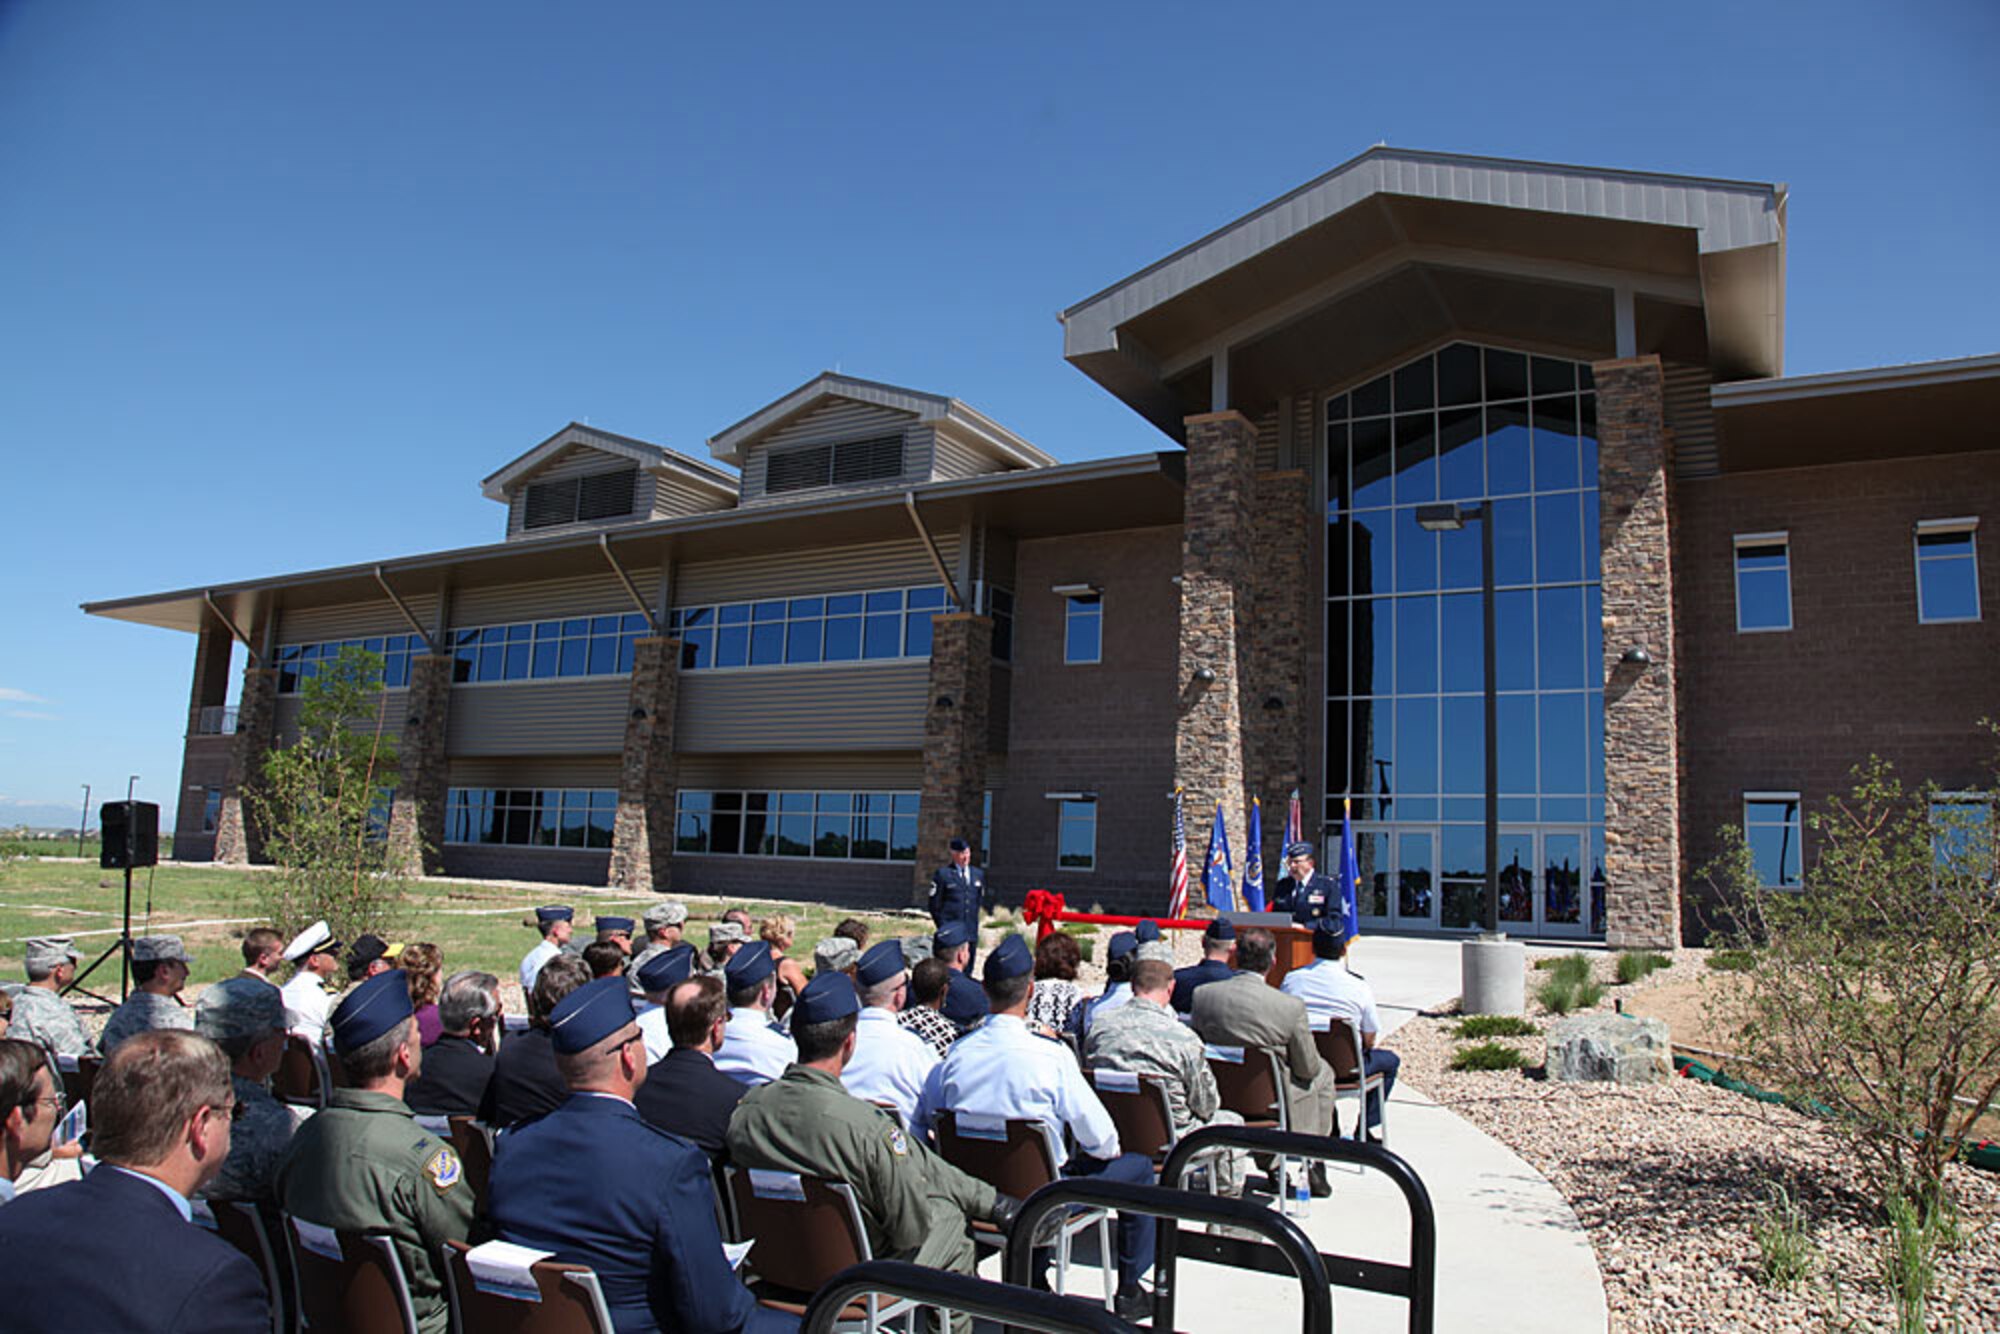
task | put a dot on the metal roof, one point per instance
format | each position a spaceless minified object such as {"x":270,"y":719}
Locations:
{"x":643,"y":452}
{"x":729,"y":444}
{"x":1909,"y":375}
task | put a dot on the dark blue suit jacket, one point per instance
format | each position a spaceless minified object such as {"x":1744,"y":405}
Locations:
{"x":684,"y":1094}
{"x":110,"y":1252}
{"x":1187,"y":979}
{"x":964,"y":1000}
{"x":594,"y":1183}
{"x":956,"y":895}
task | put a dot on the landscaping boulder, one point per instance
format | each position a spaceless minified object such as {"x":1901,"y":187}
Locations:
{"x":1609,"y":1048}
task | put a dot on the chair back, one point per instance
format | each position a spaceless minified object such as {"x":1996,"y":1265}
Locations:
{"x":807,"y":1228}
{"x":358,"y":1288}
{"x":242,"y":1226}
{"x":1339,"y":1044}
{"x":1249,"y":1080}
{"x":572,"y":1301}
{"x":1139,"y":1108}
{"x":475,"y":1152}
{"x":1014,"y":1157}
{"x":298,"y":1078}
{"x":77,"y":1083}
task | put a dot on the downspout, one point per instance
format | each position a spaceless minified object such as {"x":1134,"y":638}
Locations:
{"x":931,"y":549}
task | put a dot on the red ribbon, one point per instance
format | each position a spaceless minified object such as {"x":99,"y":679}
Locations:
{"x":1043,"y":908}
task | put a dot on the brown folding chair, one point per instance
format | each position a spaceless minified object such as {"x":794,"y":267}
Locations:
{"x":1139,"y":1108}
{"x":1251,"y":1081}
{"x":352,"y":1282}
{"x":808,"y":1229}
{"x":1016,"y":1157}
{"x":571,"y":1300}
{"x":300,"y":1078}
{"x":1339,"y":1041}
{"x":241,"y":1224}
{"x":474,"y":1143}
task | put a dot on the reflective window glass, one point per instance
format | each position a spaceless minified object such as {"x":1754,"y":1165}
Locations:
{"x":1947,"y":576}
{"x":1562,"y":742}
{"x":1763,"y":585}
{"x":1558,"y":538}
{"x":1559,"y":636}
{"x":1416,"y":766}
{"x":1076,"y":835}
{"x":1416,"y":458}
{"x":1509,"y":470}
{"x":1416,"y":554}
{"x":1416,"y":646}
{"x":1370,"y":450}
{"x":1373,"y":558}
{"x":1083,"y":628}
{"x":1554,"y":423}
{"x":1771,"y":828}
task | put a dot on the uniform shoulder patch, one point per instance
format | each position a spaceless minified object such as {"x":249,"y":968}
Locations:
{"x":898,"y":1145}
{"x":444,"y":1170}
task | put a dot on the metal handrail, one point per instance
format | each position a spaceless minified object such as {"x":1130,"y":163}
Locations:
{"x":212,"y":720}
{"x":1294,"y":1250}
{"x":1022,"y":1308}
{"x":1415,"y":1282}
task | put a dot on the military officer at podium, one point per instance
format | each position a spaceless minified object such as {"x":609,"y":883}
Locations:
{"x":1306,"y":894}
{"x":958,"y":892}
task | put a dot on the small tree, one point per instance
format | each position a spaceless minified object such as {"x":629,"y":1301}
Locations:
{"x":1874,"y":990}
{"x":323,"y":805}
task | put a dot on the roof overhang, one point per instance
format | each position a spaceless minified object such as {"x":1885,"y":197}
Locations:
{"x":647,"y":455}
{"x":1103,"y":495}
{"x":971,"y":425}
{"x":1883,"y":412}
{"x":1398,"y":250}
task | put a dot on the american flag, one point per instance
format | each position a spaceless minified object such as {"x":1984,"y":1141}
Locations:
{"x":1177,"y":896}
{"x":1295,"y":822}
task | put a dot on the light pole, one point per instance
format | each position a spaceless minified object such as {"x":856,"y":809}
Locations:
{"x":83,"y":822}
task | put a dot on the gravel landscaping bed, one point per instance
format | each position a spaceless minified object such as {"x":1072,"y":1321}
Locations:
{"x":1669,"y":1180}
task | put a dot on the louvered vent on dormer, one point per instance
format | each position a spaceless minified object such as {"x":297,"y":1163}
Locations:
{"x":841,"y":464}
{"x":597,"y":495}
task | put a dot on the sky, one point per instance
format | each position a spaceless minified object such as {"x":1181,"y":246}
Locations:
{"x":280,"y":283}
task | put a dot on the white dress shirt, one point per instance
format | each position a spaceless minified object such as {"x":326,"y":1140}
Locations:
{"x":753,"y":1050}
{"x":1330,"y":991}
{"x":1002,"y":1069}
{"x":891,"y":1064}
{"x":306,"y":1007}
{"x":653,"y":1027}
{"x":532,"y":961}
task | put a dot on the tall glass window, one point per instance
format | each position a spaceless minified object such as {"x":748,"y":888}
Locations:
{"x":1771,"y":828}
{"x":1405,"y":737}
{"x":1763,"y":582}
{"x":1947,"y":571}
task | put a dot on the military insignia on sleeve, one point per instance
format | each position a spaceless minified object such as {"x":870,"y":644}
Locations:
{"x":897,"y":1144}
{"x":443,"y":1169}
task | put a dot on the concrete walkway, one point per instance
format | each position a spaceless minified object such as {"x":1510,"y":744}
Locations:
{"x":1511,"y":1254}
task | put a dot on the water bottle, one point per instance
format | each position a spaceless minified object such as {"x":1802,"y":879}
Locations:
{"x":1301,"y":1197}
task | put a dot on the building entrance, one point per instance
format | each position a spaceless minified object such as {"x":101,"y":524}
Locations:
{"x":1431,"y":878}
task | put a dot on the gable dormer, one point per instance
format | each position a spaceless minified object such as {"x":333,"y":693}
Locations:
{"x":837,"y":434}
{"x":582,"y":478}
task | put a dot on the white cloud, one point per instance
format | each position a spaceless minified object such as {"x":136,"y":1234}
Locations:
{"x":9,"y":695}
{"x":34,"y":715}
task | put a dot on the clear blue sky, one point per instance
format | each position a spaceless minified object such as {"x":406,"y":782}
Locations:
{"x":279,"y":283}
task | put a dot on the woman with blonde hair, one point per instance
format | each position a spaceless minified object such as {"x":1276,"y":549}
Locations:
{"x":777,"y":931}
{"x":424,"y":963}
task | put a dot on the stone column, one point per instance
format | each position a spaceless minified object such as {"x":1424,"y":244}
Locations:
{"x":642,"y":840}
{"x":416,"y":816}
{"x":1216,"y":613}
{"x":955,"y":741}
{"x":238,"y":841}
{"x":1278,"y":707}
{"x":1641,"y":740}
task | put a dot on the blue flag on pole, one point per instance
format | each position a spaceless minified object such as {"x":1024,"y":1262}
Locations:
{"x":1253,"y":859}
{"x":1350,"y":878}
{"x":1216,"y":879}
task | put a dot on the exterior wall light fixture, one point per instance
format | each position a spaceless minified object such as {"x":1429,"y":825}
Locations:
{"x":1636,"y":656}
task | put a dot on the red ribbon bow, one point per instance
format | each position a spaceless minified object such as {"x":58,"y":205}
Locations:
{"x":1042,"y":907}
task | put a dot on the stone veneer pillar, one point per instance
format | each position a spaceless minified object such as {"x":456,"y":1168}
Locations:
{"x":642,"y":839}
{"x":1216,"y":611}
{"x":955,"y":740}
{"x":416,"y":816}
{"x":1641,"y":741}
{"x":1283,"y":575}
{"x":238,"y":842}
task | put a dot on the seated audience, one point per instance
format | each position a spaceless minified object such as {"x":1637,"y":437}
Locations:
{"x":1218,"y":945}
{"x":263,"y":951}
{"x":855,"y":930}
{"x":923,"y":1009}
{"x":778,"y":931}
{"x":525,"y":1082}
{"x":556,"y":924}
{"x":119,"y":1250}
{"x":1057,"y":957}
{"x":964,"y":1002}
{"x":29,"y":1109}
{"x":663,"y":924}
{"x":684,"y":1094}
{"x":1330,"y":992}
{"x":41,"y":1015}
{"x":425,"y":965}
{"x":616,"y":931}
{"x":369,"y":956}
{"x":565,"y":1184}
{"x":604,"y":958}
{"x":889,"y":1063}
{"x":754,"y":1049}
{"x":1118,"y":960}
{"x":159,"y":972}
{"x":836,"y":954}
{"x":459,"y":1065}
{"x":245,"y":1016}
{"x":724,"y":939}
{"x":654,"y":978}
{"x":315,"y":957}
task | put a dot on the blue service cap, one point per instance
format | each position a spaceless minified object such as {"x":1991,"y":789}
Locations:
{"x":881,"y":963}
{"x":960,"y":845}
{"x":1220,"y":929}
{"x":667,"y":969}
{"x":1011,"y":959}
{"x":951,"y":935}
{"x":1329,"y":933}
{"x":590,"y":1014}
{"x":1298,"y":849}
{"x":749,"y":965}
{"x":1147,"y":930}
{"x":615,"y":924}
{"x":554,"y":913}
{"x":1123,"y":944}
{"x":827,"y":997}
{"x":372,"y":1009}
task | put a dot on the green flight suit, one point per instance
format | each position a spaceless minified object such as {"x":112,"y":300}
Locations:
{"x":914,"y":1205}
{"x":365,"y":1166}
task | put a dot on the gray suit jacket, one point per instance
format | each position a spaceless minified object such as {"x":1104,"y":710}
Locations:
{"x":1245,"y":1011}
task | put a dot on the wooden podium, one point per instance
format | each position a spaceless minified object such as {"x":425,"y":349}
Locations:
{"x":1295,"y":943}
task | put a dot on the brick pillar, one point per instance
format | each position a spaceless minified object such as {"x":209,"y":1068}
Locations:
{"x":211,"y":673}
{"x":956,"y":735}
{"x":642,"y":840}
{"x":1216,"y":613}
{"x":1278,"y":704}
{"x":238,"y":841}
{"x":1641,"y":742}
{"x":416,"y":816}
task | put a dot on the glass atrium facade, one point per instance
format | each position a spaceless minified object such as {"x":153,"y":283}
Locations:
{"x":1405,"y":740}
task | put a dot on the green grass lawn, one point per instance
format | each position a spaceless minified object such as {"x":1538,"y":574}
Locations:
{"x":477,"y":926}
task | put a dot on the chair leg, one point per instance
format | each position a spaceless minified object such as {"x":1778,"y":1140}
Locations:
{"x":1107,"y":1252}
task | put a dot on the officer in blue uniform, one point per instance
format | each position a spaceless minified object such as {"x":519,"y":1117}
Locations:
{"x":1118,"y":960}
{"x":563,"y":1184}
{"x":1306,"y":894}
{"x":964,"y":1001}
{"x":1218,"y":942}
{"x":958,"y":892}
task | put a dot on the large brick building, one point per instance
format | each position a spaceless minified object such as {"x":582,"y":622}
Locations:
{"x":877,"y":617}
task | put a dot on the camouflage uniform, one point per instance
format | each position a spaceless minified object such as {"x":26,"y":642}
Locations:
{"x":42,"y":1016}
{"x":257,"y":1141}
{"x":142,"y":1013}
{"x":1143,"y":1037}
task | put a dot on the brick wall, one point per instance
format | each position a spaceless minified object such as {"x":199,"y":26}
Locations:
{"x":1796,"y":710}
{"x":1107,"y":727}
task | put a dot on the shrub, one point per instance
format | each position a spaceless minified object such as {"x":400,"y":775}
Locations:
{"x":1493,"y":1026}
{"x":1569,"y":985}
{"x":1785,"y":1250}
{"x":1732,"y":960}
{"x":1487,"y":1056}
{"x":1909,"y":1259}
{"x":1636,"y":965}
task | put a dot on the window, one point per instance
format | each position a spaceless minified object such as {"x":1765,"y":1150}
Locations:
{"x":299,"y":663}
{"x":1771,"y":828}
{"x":838,"y":627}
{"x":998,"y":603}
{"x":841,"y":464}
{"x":1083,"y":626}
{"x":535,"y":650}
{"x":1947,"y":571}
{"x":1763,"y":582}
{"x":825,"y":826}
{"x":1962,"y":834}
{"x":986,"y":828}
{"x":597,"y":495}
{"x":211,"y":809}
{"x":531,"y":817}
{"x":1076,"y":833}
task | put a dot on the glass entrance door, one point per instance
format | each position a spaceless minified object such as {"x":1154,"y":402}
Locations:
{"x":1563,"y":882}
{"x":1416,"y":899}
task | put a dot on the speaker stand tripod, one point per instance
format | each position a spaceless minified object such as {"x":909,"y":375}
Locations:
{"x":121,"y":946}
